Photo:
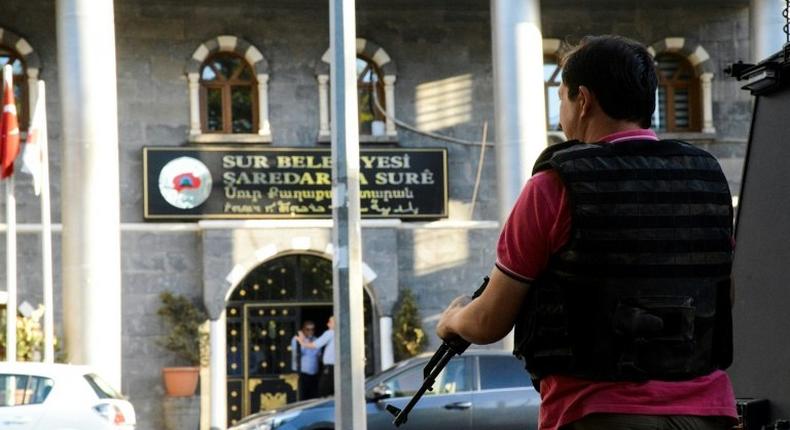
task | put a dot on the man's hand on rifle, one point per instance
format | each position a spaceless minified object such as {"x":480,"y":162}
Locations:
{"x":443,"y":328}
{"x":489,"y":317}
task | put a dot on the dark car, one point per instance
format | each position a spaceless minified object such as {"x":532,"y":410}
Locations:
{"x":480,"y":390}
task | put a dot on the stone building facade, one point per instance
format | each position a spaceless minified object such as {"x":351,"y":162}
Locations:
{"x":442,"y":84}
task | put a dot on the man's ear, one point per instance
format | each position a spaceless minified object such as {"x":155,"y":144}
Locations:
{"x":586,"y":100}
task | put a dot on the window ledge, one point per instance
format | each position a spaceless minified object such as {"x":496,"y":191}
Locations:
{"x":363,"y":138}
{"x":230,"y":138}
{"x":688,"y":135}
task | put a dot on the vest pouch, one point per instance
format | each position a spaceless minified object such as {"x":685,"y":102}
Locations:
{"x":542,"y":339}
{"x":656,"y":336}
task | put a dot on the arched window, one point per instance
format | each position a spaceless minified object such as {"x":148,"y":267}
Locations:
{"x":376,"y":74}
{"x":228,"y":92}
{"x":228,"y":95}
{"x":552,"y":77}
{"x":370,"y":89}
{"x":9,"y":56}
{"x":678,"y":108}
{"x":684,"y":100}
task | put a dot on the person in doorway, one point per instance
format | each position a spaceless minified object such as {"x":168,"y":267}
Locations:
{"x":326,"y":383}
{"x":614,"y":264}
{"x":305,"y":362}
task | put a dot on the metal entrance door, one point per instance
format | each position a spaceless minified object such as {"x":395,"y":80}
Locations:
{"x":263,"y":314}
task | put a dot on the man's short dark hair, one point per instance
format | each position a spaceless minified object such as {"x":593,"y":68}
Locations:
{"x":619,"y":71}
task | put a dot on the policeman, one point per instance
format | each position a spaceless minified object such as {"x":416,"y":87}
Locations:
{"x":614,"y":264}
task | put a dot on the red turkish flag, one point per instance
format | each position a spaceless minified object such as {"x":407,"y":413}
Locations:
{"x":9,"y":126}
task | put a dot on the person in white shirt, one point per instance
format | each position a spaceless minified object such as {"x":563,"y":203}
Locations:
{"x":326,"y":384}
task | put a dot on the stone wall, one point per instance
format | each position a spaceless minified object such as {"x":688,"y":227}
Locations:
{"x":435,"y":45}
{"x":153,"y":262}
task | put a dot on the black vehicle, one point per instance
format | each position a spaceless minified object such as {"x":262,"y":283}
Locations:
{"x":480,"y":389}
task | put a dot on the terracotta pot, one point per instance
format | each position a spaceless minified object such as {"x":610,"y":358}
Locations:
{"x":180,"y":381}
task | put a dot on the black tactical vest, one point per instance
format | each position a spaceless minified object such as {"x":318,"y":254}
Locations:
{"x":641,"y":289}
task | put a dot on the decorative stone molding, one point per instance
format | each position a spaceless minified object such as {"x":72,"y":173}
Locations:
{"x":694,"y":52}
{"x":260,"y":66}
{"x":388,"y":68}
{"x":703,"y":69}
{"x":29,"y":57}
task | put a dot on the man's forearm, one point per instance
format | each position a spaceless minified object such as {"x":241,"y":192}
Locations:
{"x":488,"y":318}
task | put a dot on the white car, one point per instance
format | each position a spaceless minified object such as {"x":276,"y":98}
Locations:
{"x":44,"y":396}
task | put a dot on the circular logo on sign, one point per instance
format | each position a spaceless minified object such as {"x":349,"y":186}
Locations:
{"x":185,"y":182}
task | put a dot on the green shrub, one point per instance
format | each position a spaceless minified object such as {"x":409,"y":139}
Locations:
{"x":409,"y":338}
{"x":183,"y":319}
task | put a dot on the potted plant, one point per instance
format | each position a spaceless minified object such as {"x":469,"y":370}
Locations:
{"x":409,"y":336}
{"x":183,"y":319}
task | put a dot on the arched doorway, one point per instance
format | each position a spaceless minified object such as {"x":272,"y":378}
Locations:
{"x":263,"y":313}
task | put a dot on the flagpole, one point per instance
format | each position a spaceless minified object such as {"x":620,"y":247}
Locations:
{"x":10,"y":261}
{"x":10,"y":239}
{"x":46,"y":234}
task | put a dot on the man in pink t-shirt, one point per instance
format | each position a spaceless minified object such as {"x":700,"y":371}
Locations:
{"x":636,"y":235}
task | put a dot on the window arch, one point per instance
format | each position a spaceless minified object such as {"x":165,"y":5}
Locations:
{"x":684,"y":101}
{"x":228,"y":92}
{"x":376,"y":71}
{"x":15,"y":50}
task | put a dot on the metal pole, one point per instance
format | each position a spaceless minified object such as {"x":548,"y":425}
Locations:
{"x":766,"y":24}
{"x":519,"y":101}
{"x":10,"y":240}
{"x":347,"y":261}
{"x":46,"y":237}
{"x":91,"y":197}
{"x":10,"y":261}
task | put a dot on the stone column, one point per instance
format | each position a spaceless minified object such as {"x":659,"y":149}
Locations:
{"x":519,"y":101}
{"x":91,"y":262}
{"x":264,"y":129}
{"x":385,"y":328}
{"x":194,"y":104}
{"x":766,"y":24}
{"x":32,"y":89}
{"x":218,"y":368}
{"x":323,"y":105}
{"x":707,"y":103}
{"x":389,"y":96}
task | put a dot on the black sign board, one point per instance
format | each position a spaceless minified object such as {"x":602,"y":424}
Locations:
{"x":247,"y":183}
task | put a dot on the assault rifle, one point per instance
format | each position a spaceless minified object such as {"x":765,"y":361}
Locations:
{"x":449,"y":349}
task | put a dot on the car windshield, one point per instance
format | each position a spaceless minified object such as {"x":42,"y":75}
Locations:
{"x":101,"y":387}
